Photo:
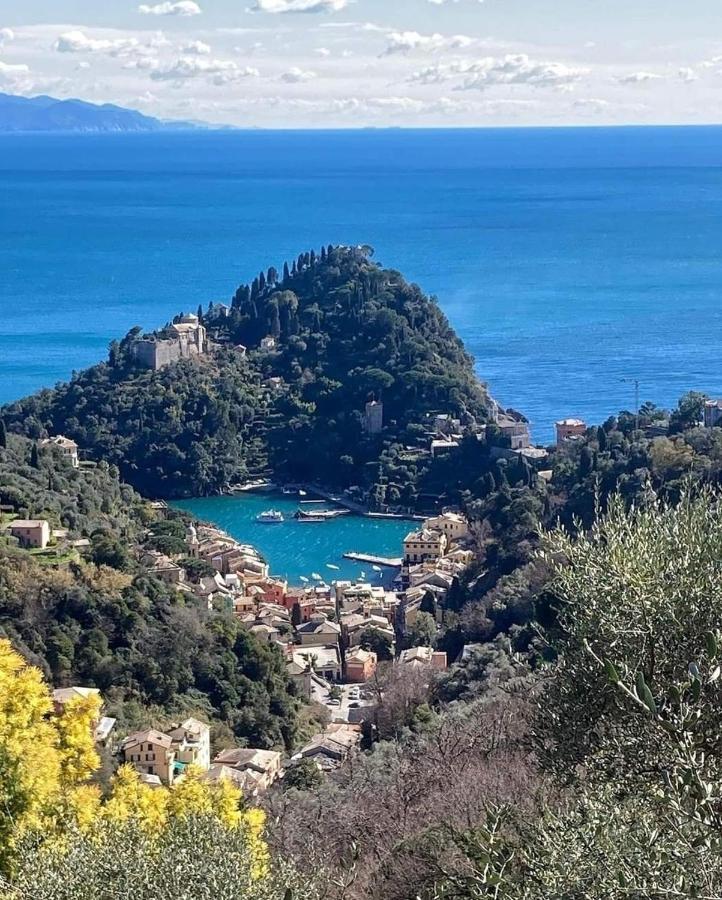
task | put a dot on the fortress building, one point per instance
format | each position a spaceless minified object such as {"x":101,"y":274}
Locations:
{"x":183,"y":340}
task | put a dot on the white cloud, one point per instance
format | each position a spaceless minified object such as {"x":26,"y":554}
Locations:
{"x":509,"y":69}
{"x":79,"y":42}
{"x":407,"y":41}
{"x":298,"y":6}
{"x":181,"y":8}
{"x":195,"y":48}
{"x":6,"y":35}
{"x":687,"y":74}
{"x":297,"y":76}
{"x":222,"y":71}
{"x":638,"y":77}
{"x":322,"y":51}
{"x":13,"y":69}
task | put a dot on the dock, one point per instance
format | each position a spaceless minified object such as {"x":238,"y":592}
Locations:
{"x":389,"y":562}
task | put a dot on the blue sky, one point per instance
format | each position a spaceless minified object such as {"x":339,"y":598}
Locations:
{"x":357,"y":63}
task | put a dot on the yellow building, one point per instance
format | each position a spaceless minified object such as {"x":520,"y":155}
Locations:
{"x":150,"y":752}
{"x":452,"y":524}
{"x":420,"y":546}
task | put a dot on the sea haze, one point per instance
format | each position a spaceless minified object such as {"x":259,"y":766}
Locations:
{"x":567,"y":259}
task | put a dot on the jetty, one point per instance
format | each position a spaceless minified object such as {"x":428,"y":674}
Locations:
{"x":389,"y":562}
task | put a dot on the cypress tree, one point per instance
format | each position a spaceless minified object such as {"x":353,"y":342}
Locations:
{"x":323,"y":254}
{"x":34,"y":458}
{"x":296,"y":615}
{"x":262,"y":281}
{"x":3,"y":435}
{"x":601,"y":439}
{"x":200,"y":313}
{"x":294,"y":269}
{"x":272,"y":276}
{"x":286,"y":273}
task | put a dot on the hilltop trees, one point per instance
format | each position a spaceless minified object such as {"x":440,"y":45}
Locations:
{"x":345,"y":330}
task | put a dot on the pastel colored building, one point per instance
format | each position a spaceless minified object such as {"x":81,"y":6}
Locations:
{"x":31,"y":533}
{"x":360,"y":665}
{"x":570,"y":429}
{"x":423,"y":545}
{"x":67,"y":447}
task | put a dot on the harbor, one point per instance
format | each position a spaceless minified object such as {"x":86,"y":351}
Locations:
{"x":345,"y":547}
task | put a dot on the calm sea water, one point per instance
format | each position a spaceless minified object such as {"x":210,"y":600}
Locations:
{"x":568,"y":260}
{"x":298,"y":550}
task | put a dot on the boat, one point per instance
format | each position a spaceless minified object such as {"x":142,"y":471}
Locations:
{"x":301,"y":493}
{"x":303,"y":579}
{"x":270,"y":516}
{"x":376,"y":568}
{"x":331,"y":566}
{"x":316,"y":576}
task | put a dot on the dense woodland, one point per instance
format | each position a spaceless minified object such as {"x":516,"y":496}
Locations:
{"x":106,"y":622}
{"x":347,"y":331}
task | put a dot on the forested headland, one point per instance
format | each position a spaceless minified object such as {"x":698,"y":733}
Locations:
{"x":343,"y":331}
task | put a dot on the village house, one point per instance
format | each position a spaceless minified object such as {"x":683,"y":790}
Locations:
{"x":192,"y":743}
{"x":515,"y":431}
{"x":66,"y":446}
{"x":360,"y":665}
{"x":423,"y":545}
{"x":166,"y":755}
{"x":451,"y":524}
{"x":268,"y":343}
{"x":324,"y":661}
{"x":31,"y":533}
{"x":150,"y":752}
{"x":423,"y":657}
{"x":570,"y":430}
{"x":318,"y":631}
{"x":254,"y":771}
{"x":330,"y":748}
{"x":300,"y":674}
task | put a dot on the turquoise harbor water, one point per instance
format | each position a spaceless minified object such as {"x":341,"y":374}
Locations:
{"x":297,"y":550}
{"x":567,"y":259}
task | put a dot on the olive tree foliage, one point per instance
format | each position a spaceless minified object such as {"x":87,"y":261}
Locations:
{"x":629,"y":724}
{"x":193,"y":856}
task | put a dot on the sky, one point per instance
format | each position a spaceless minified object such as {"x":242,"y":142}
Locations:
{"x":374,"y":63}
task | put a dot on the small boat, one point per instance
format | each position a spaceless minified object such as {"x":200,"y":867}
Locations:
{"x":316,"y":576}
{"x":303,"y":579}
{"x":301,"y":493}
{"x":270,"y":516}
{"x":363,"y":574}
{"x":376,"y":568}
{"x":331,"y":566}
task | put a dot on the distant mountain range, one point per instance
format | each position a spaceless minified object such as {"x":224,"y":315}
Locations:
{"x":48,"y":114}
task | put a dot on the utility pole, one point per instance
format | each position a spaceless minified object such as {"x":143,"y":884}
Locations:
{"x":635,"y":382}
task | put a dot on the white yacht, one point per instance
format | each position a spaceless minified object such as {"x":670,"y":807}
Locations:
{"x":270,"y":515}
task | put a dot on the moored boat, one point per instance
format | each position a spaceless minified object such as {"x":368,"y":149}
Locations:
{"x":270,"y":516}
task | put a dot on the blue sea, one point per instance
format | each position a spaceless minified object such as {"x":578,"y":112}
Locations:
{"x":299,"y":550}
{"x":568,"y":260}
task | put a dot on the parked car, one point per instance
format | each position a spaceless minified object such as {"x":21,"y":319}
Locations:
{"x":334,"y":703}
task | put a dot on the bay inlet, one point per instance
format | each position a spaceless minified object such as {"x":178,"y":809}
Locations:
{"x":294,"y":549}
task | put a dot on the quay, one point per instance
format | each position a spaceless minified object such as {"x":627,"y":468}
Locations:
{"x":389,"y":562}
